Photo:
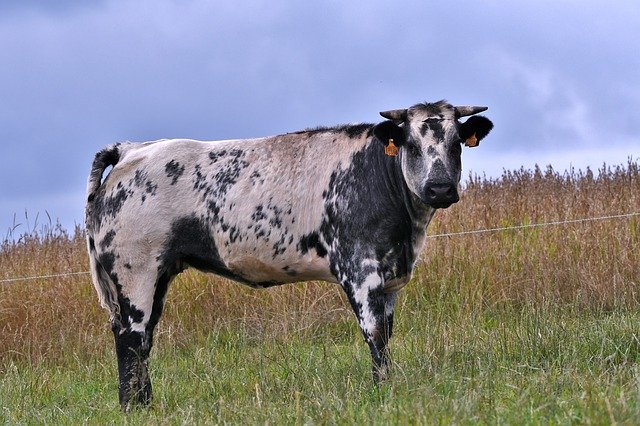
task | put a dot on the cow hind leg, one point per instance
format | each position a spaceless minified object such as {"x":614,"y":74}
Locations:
{"x":133,"y":334}
{"x":134,"y":386}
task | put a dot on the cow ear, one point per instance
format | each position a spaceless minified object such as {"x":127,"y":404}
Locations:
{"x":390,"y":135}
{"x":475,"y":129}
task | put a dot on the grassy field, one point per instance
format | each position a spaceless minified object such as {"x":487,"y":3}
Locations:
{"x":539,"y":325}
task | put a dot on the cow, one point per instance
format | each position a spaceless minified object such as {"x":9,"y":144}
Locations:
{"x":348,"y":204}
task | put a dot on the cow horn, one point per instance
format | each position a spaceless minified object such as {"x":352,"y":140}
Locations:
{"x":395,"y":114}
{"x":463,"y":111}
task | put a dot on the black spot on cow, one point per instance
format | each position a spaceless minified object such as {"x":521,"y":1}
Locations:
{"x":174,"y":170}
{"x":438,"y":131}
{"x":108,"y":260}
{"x":255,"y":178}
{"x":258,"y":214}
{"x":136,"y":314}
{"x":139,"y":178}
{"x":236,"y":153}
{"x":309,"y":242}
{"x":279,"y":247}
{"x":234,"y":234}
{"x":127,"y":309}
{"x":162,"y":286}
{"x":214,"y":156}
{"x":431,"y":152}
{"x":107,"y":240}
{"x":110,"y":205}
{"x":214,"y":208}
{"x":190,"y":243}
{"x":200,"y":182}
{"x":436,"y":128}
{"x":228,"y":172}
{"x":150,"y":187}
{"x":275,"y":221}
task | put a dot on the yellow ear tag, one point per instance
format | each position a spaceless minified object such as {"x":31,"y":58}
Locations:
{"x":471,"y":141}
{"x":391,"y":150}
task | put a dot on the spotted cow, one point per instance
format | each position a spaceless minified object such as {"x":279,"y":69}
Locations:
{"x":347,"y":204}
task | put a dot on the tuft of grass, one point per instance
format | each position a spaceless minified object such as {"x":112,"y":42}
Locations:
{"x":523,"y":326}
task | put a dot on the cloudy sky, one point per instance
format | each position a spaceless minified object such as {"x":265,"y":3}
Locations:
{"x":561,"y":79}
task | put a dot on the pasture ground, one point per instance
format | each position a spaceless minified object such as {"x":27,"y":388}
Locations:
{"x":525,"y":326}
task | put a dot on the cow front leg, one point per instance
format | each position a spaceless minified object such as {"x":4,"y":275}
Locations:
{"x":374,"y":312}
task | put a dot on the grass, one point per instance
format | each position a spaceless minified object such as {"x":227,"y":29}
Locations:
{"x":541,"y":366}
{"x":520,"y":327}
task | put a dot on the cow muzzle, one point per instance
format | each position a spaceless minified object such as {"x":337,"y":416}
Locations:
{"x":440,"y":195}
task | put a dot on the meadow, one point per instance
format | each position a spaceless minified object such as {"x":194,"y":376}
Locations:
{"x":518,"y":326}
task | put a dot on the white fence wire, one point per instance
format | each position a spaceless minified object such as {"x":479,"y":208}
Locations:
{"x":448,"y":234}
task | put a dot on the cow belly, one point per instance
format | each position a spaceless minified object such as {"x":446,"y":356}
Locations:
{"x":255,"y":270}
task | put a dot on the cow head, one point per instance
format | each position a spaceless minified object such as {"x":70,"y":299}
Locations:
{"x":430,"y":139}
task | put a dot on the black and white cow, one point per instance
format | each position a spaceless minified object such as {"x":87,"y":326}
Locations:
{"x":347,"y":204}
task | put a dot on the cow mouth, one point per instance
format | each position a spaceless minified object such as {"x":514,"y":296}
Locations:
{"x":440,"y":205}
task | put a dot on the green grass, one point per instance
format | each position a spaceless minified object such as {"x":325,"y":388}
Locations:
{"x":495,"y":365}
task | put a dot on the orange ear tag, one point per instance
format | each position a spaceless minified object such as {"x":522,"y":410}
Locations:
{"x":391,"y":150}
{"x":471,"y":141}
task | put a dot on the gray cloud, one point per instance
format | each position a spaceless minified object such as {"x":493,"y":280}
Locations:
{"x":560,"y":78}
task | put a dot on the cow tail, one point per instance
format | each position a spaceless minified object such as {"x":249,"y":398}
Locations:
{"x":103,"y":159}
{"x":104,"y":285}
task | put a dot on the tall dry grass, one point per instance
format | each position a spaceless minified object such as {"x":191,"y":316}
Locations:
{"x":590,"y":265}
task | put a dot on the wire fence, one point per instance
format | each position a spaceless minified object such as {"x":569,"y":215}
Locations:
{"x":534,"y":225}
{"x":42,"y":277}
{"x":443,"y":235}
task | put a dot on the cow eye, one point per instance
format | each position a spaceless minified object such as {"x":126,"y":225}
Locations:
{"x":456,"y":148}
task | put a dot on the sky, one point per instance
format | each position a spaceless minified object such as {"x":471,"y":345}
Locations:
{"x":561,"y":80}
